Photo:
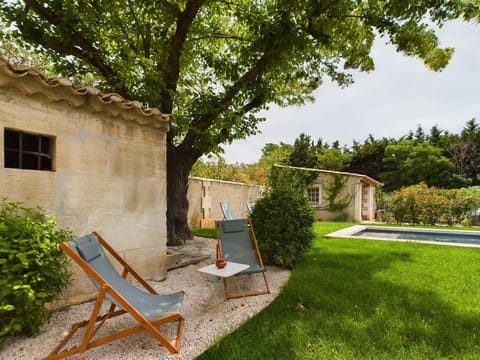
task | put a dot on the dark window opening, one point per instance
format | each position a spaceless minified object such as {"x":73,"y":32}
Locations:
{"x":27,"y":151}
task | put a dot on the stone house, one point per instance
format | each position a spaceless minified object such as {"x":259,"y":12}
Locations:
{"x":337,"y":195}
{"x":96,"y":161}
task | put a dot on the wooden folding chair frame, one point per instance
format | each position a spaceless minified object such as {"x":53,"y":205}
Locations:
{"x":90,"y":324}
{"x":254,"y":241}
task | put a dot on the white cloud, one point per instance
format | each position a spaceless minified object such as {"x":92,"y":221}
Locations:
{"x":394,"y":99}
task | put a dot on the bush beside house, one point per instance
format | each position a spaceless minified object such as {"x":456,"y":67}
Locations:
{"x":33,"y":269}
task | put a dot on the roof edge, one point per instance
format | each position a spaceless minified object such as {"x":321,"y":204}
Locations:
{"x":31,"y":81}
{"x":365,"y":177}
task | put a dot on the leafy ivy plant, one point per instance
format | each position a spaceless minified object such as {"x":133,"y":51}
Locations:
{"x":333,"y":190}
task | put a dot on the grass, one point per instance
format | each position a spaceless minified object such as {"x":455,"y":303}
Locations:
{"x":205,"y":232}
{"x":368,"y":299}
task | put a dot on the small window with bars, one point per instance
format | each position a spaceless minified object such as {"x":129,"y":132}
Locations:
{"x":27,"y":151}
{"x":313,"y":194}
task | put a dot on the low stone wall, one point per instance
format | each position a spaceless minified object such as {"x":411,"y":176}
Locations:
{"x":205,"y":195}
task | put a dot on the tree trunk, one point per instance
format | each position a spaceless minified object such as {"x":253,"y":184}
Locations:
{"x":179,"y":164}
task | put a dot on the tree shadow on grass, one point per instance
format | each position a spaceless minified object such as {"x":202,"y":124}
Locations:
{"x":350,"y":309}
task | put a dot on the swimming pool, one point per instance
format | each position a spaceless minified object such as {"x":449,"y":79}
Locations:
{"x":430,"y":236}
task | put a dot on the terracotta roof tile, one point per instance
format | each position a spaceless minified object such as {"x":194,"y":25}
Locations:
{"x":31,"y":81}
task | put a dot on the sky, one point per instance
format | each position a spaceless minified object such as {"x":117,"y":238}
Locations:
{"x":400,"y":94}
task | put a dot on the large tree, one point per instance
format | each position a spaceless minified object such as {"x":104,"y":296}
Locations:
{"x":214,"y":64}
{"x":408,"y":163}
{"x":464,"y":151}
{"x":304,"y":153}
{"x":367,"y":158}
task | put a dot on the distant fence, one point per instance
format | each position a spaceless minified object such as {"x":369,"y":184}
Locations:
{"x":205,"y":195}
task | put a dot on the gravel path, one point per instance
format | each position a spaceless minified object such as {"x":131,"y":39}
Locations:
{"x":207,"y":314}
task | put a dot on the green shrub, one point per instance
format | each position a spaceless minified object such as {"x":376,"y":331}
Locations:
{"x":405,"y":206}
{"x":420,"y":204}
{"x":33,"y":268}
{"x":283,"y":222}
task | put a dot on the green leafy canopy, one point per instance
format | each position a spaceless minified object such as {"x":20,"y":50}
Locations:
{"x":215,"y":64}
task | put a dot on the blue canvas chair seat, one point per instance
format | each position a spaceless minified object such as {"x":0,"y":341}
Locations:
{"x":146,"y":306}
{"x":236,"y":242}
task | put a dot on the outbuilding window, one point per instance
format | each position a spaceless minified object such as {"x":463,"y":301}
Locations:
{"x":27,"y":151}
{"x":313,"y":194}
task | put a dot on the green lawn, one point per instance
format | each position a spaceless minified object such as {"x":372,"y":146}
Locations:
{"x":205,"y":232}
{"x":368,"y":300}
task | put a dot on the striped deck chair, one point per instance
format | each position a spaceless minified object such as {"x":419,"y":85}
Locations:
{"x":146,"y":306}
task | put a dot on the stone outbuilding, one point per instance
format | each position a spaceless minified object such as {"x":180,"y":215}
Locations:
{"x":96,"y":161}
{"x":337,"y":195}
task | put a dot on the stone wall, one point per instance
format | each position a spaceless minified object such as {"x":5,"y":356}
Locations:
{"x":359,"y":194}
{"x":109,"y":172}
{"x":205,"y":195}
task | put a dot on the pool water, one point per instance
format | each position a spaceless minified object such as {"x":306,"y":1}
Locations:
{"x":431,"y":235}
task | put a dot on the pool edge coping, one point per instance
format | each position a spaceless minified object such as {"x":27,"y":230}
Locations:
{"x":349,"y":233}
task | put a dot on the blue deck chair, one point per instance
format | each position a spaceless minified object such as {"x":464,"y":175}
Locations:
{"x":236,"y":242}
{"x":146,"y":306}
{"x":227,"y":211}
{"x":250,"y":206}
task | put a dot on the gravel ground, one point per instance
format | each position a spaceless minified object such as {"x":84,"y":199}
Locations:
{"x":208,"y":316}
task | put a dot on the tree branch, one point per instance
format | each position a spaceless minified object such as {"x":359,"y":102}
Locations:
{"x":221,"y":36}
{"x":143,"y":35}
{"x":252,"y":104}
{"x":172,"y":7}
{"x":172,"y":70}
{"x":80,"y":48}
{"x":251,"y":76}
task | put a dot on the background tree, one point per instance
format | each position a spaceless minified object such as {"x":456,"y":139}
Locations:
{"x":274,"y":154}
{"x":470,"y":139}
{"x":218,"y":169}
{"x":304,"y":153}
{"x":436,"y":137}
{"x":408,"y":163}
{"x":395,"y":166}
{"x":367,"y":158}
{"x":334,"y":159}
{"x":215,"y":64}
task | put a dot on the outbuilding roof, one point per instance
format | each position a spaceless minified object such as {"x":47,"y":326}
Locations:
{"x":365,"y":178}
{"x":30,"y":81}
